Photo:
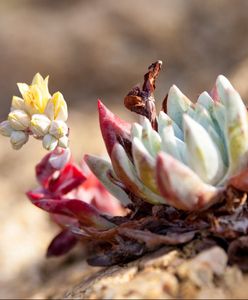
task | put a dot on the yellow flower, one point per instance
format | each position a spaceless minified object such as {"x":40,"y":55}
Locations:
{"x":37,"y":113}
{"x":35,"y":96}
{"x":17,"y":103}
{"x":57,"y":108}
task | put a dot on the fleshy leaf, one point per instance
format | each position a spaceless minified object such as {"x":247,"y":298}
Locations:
{"x":177,"y":105}
{"x":84,"y":212}
{"x":61,"y":244}
{"x":164,"y":120}
{"x":203,"y":155}
{"x":144,"y":164}
{"x":125,"y":171}
{"x":150,"y":138}
{"x":69,"y":178}
{"x":181,"y":187}
{"x":206,"y":101}
{"x":136,"y":131}
{"x":172,"y":145}
{"x":37,"y":194}
{"x":101,"y":169}
{"x":112,"y":127}
{"x":236,"y":125}
{"x":53,"y":161}
{"x":44,"y":170}
{"x":222,"y":85}
{"x":203,"y":117}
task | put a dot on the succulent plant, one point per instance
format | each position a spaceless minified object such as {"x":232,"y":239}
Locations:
{"x":188,"y":158}
{"x":184,"y":170}
{"x":179,"y":176}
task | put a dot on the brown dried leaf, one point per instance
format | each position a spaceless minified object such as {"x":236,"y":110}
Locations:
{"x":141,"y":101}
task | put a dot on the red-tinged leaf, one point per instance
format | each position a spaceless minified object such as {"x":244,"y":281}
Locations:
{"x":37,"y":194}
{"x":44,"y":171}
{"x":214,"y":94}
{"x":126,"y":173}
{"x":181,"y":187}
{"x":61,"y":244}
{"x":104,"y":173}
{"x":84,"y":212}
{"x":53,"y":161}
{"x":240,"y":181}
{"x":69,"y":178}
{"x":64,"y":221}
{"x":112,"y":127}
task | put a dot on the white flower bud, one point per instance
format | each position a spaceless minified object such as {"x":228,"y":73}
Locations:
{"x":5,"y":128}
{"x":17,"y":103}
{"x":19,"y":119}
{"x":56,"y":108}
{"x":39,"y":125}
{"x":60,"y":158}
{"x":49,"y":142}
{"x":58,"y":129}
{"x":18,"y":139}
{"x":63,"y":142}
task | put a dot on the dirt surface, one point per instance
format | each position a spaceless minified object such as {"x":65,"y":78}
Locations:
{"x":166,"y":274}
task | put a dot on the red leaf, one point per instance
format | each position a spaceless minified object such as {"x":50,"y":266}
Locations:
{"x":69,"y":178}
{"x":82,"y":211}
{"x":112,"y":127}
{"x":181,"y":187}
{"x":61,"y":244}
{"x":44,"y":171}
{"x":37,"y":194}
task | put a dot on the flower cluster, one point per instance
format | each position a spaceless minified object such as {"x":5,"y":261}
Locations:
{"x":39,"y":114}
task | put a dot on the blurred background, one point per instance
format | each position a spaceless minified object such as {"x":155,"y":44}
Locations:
{"x":97,"y":49}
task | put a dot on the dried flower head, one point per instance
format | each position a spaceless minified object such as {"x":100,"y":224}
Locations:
{"x":37,"y":113}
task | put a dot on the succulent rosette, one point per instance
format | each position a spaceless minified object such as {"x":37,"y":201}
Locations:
{"x":181,"y":172}
{"x":187,"y":159}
